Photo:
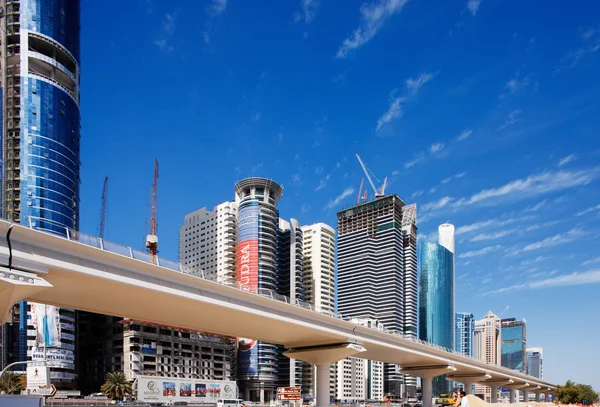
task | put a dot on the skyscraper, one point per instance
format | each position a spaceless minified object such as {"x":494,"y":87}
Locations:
{"x":514,"y":344}
{"x":487,"y":345}
{"x":436,"y":298}
{"x":40,"y":140}
{"x":535,"y":362}
{"x":208,"y":242}
{"x":258,"y":224}
{"x":465,"y":330}
{"x":318,"y":273}
{"x":373,"y":279}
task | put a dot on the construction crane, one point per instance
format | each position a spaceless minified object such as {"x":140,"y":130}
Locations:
{"x":362,"y":181}
{"x":152,"y":238}
{"x":505,"y":309}
{"x":378,"y":192}
{"x":103,"y":209}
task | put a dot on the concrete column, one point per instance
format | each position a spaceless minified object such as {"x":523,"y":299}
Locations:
{"x":322,"y":385}
{"x":494,"y":388}
{"x":468,"y":387}
{"x":246,"y":394}
{"x":513,"y":395}
{"x":537,"y":396}
{"x":427,"y":391}
{"x":525,"y":396}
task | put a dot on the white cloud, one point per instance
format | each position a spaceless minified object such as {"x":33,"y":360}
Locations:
{"x":323,"y":182}
{"x":591,"y":261}
{"x":538,"y":259}
{"x":488,"y":223}
{"x":537,"y":206}
{"x":393,"y":112}
{"x":417,"y":193}
{"x":395,"y":172}
{"x":167,"y":30}
{"x":537,"y":226}
{"x":491,"y":236}
{"x":372,"y":17}
{"x":296,"y":179}
{"x":552,"y":240}
{"x":309,"y":10}
{"x":434,"y":148}
{"x":456,"y":176}
{"x":414,"y":85}
{"x":588,"y":210}
{"x":305,"y":208}
{"x":533,"y":185}
{"x":437,"y":204}
{"x":256,"y":117}
{"x":417,"y":159}
{"x":257,"y":167}
{"x":480,"y":252}
{"x":335,"y":201}
{"x":567,"y":159}
{"x":465,"y":134}
{"x":576,"y":278}
{"x":513,"y":117}
{"x":217,"y":7}
{"x":473,"y":6}
{"x":319,"y":170}
{"x":514,"y":85}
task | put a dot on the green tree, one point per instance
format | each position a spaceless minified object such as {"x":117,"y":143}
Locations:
{"x":12,"y":383}
{"x":573,"y":393}
{"x":116,"y":386}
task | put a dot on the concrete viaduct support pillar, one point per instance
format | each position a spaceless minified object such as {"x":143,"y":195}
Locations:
{"x":17,"y":285}
{"x":494,"y":388}
{"x":537,"y":396}
{"x":427,"y":373}
{"x":468,"y":380}
{"x":525,"y":396}
{"x":323,"y":357}
{"x":468,"y":386}
{"x":514,"y":391}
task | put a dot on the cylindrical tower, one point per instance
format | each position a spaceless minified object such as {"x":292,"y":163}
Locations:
{"x":258,"y":222}
{"x":40,"y":121}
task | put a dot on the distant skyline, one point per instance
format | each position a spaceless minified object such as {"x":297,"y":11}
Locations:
{"x":483,"y":113}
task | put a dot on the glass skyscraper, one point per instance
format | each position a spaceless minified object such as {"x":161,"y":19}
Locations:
{"x":535,"y":362}
{"x":465,"y":329}
{"x":514,"y":344}
{"x":436,"y":302}
{"x":40,"y":140}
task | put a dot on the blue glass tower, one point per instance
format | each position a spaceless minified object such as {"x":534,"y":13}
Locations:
{"x":465,"y":330}
{"x":514,"y":344}
{"x":40,"y":137}
{"x":436,"y":302}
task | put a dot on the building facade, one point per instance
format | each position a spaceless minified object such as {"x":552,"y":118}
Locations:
{"x":360,"y":379}
{"x":487,"y":346}
{"x":437,"y":303}
{"x":40,"y":141}
{"x":535,"y":362}
{"x":514,"y":344}
{"x":373,"y":280}
{"x":208,"y":242}
{"x":137,"y":349}
{"x":258,"y":225}
{"x":465,"y":330}
{"x":318,"y":272}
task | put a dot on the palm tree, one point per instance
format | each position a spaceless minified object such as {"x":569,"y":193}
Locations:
{"x":116,"y":386}
{"x":12,"y":383}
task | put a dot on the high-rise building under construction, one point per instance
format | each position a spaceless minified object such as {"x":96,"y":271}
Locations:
{"x":377,"y":273}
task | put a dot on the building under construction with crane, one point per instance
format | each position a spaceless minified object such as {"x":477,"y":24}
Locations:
{"x":377,"y":269}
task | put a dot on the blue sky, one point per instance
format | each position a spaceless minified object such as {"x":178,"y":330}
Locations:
{"x":483,"y":112}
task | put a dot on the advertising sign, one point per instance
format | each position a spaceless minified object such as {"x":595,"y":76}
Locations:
{"x":169,"y":389}
{"x":248,"y":219}
{"x":46,"y":321}
{"x":248,"y":358}
{"x":288,"y":393}
{"x":38,"y":377}
{"x":61,"y":358}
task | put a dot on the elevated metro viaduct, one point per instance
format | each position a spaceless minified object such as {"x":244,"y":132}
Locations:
{"x":85,"y":273}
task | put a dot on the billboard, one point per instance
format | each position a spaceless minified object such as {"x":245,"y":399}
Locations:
{"x":37,"y":377}
{"x":60,"y":358}
{"x":46,"y":322}
{"x":169,"y":389}
{"x":248,"y":358}
{"x":248,"y":220}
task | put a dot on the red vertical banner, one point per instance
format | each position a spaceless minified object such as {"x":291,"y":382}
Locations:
{"x":248,"y":265}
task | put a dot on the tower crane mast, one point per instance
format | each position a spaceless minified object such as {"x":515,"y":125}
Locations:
{"x":152,"y":238}
{"x":378,"y":192}
{"x":103,"y":209}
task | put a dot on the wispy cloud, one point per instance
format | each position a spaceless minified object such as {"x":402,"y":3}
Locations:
{"x":442,"y":202}
{"x":591,"y":45}
{"x":588,"y":210}
{"x":335,"y":201}
{"x":163,"y":42}
{"x":434,"y":148}
{"x":372,"y":17}
{"x":465,"y":134}
{"x":309,"y":10}
{"x":319,"y":170}
{"x":473,"y":6}
{"x":538,"y":259}
{"x":452,"y":177}
{"x":214,"y":9}
{"x":395,"y":109}
{"x":513,"y":117}
{"x":323,"y":182}
{"x":480,"y":252}
{"x":473,"y":227}
{"x":514,"y":85}
{"x":550,"y":241}
{"x":567,"y":159}
{"x":417,"y":193}
{"x":492,"y":236}
{"x":256,"y":116}
{"x":565,"y":280}
{"x":537,"y":206}
{"x":593,"y":260}
{"x":257,"y":167}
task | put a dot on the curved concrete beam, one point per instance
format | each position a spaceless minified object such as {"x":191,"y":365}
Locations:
{"x":16,"y":286}
{"x":325,"y":355}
